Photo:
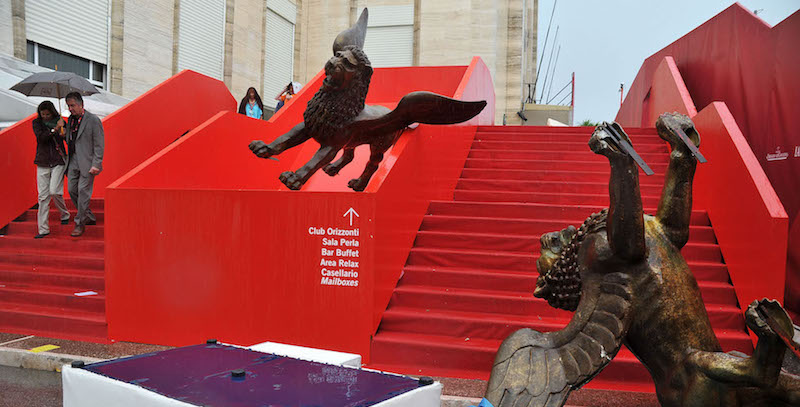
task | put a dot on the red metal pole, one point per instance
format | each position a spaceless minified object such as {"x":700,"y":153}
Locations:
{"x":572,"y":102}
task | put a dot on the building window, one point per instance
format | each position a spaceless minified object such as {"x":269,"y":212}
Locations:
{"x":61,"y":61}
{"x":390,"y":35}
{"x":278,"y":49}
{"x":201,"y":37}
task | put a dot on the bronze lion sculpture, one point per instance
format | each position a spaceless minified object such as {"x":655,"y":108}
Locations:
{"x":338,"y":119}
{"x":623,"y":274}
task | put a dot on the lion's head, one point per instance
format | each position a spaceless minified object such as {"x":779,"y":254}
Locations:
{"x":343,"y":92}
{"x":559,"y":279}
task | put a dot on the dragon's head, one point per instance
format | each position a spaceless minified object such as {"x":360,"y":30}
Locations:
{"x":347,"y":68}
{"x":559,"y":279}
{"x":552,"y":248}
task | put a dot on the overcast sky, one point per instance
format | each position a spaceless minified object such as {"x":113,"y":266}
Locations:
{"x":605,"y":42}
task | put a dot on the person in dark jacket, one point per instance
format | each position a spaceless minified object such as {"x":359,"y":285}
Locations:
{"x":50,"y":165}
{"x":86,"y":143}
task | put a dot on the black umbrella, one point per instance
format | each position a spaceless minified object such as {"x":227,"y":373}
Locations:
{"x":55,"y":85}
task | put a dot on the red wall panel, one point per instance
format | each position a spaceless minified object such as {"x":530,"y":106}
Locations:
{"x":477,"y":85}
{"x":667,"y":93}
{"x":17,"y":150}
{"x":749,"y":221}
{"x":157,"y":118}
{"x":235,"y":265}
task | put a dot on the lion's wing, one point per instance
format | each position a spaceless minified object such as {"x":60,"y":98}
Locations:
{"x":420,"y":107}
{"x":536,"y":369}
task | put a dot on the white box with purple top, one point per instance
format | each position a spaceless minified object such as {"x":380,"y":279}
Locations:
{"x":218,"y":375}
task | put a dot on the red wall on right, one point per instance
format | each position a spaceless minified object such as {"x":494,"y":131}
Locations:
{"x":737,"y":58}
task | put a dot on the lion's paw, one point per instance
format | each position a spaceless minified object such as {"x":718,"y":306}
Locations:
{"x":357,"y":184}
{"x":291,"y":180}
{"x":331,"y":169}
{"x":261,"y":149}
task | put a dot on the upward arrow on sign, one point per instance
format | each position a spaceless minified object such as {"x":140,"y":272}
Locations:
{"x":351,"y":212}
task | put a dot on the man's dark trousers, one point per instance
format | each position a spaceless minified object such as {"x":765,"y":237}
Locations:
{"x":80,"y":192}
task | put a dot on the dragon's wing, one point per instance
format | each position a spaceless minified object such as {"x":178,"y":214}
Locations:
{"x":420,"y":107}
{"x":535,"y":370}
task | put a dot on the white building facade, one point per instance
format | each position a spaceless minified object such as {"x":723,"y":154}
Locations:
{"x":129,"y":46}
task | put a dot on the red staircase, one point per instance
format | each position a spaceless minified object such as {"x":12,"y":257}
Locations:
{"x":469,"y":279}
{"x":40,"y":277}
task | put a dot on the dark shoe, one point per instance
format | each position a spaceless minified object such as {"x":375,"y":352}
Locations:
{"x":91,"y":222}
{"x":77,"y":231}
{"x":65,"y":221}
{"x":41,"y":235}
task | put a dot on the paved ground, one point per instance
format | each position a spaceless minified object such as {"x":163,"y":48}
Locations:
{"x":29,"y":387}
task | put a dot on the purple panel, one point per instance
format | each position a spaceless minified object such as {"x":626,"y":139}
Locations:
{"x":201,"y":375}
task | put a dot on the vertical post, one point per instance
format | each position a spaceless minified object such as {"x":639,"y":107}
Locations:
{"x":572,"y":102}
{"x":621,"y":91}
{"x":18,"y":29}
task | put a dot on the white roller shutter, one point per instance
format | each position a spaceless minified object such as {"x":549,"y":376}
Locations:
{"x":201,"y":36}
{"x":390,"y":36}
{"x":75,"y":27}
{"x":278,"y":49}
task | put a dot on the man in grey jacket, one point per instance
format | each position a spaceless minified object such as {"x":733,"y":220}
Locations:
{"x":85,"y":140}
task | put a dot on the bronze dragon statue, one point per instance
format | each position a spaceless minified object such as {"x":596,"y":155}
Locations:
{"x":338,"y":119}
{"x":623,"y":274}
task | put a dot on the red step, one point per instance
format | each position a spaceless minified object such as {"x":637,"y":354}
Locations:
{"x":722,"y":316}
{"x":485,"y":259}
{"x":573,"y":213}
{"x":437,"y":350}
{"x":41,"y":258}
{"x":559,"y":138}
{"x":31,"y":228}
{"x":531,"y":243}
{"x":56,"y":297}
{"x":53,"y":322}
{"x":573,"y":187}
{"x":549,"y":175}
{"x":527,"y":227}
{"x":564,"y":156}
{"x":558,"y":146}
{"x":544,"y":165}
{"x":525,"y":280}
{"x":548,"y":197}
{"x":472,"y":358}
{"x":75,"y":279}
{"x":479,"y":325}
{"x":55,"y":216}
{"x":58,"y":243}
{"x":587,"y":130}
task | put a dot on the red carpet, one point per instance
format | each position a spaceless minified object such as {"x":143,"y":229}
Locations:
{"x":469,"y":279}
{"x":40,"y":277}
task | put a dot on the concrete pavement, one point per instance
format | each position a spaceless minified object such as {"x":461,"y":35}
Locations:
{"x":29,"y":387}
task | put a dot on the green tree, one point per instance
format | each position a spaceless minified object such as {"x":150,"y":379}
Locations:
{"x":588,"y":122}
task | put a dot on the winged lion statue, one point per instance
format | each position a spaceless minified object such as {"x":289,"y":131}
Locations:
{"x":338,"y":119}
